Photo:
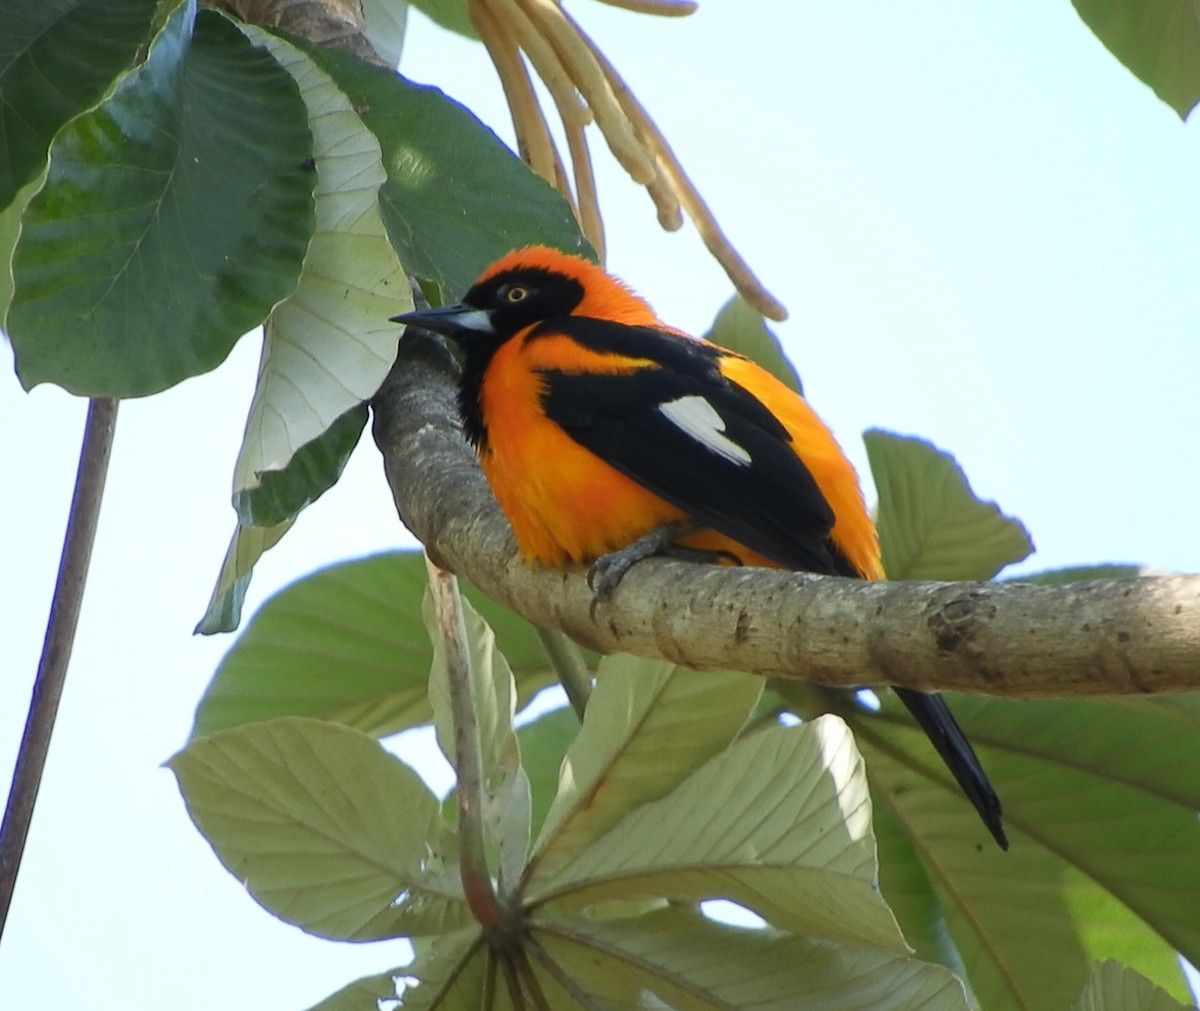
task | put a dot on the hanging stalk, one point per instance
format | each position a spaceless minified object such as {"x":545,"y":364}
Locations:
{"x":56,"y":647}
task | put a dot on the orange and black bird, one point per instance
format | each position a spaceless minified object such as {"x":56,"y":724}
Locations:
{"x":607,"y":436}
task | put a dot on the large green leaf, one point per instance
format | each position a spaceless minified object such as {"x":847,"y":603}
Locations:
{"x":741,"y":328}
{"x":648,"y":725}
{"x":1115,"y":987}
{"x":1100,"y":798}
{"x":1158,"y":40}
{"x":544,"y":744}
{"x":455,"y":198}
{"x":246,"y":547}
{"x":449,"y":973}
{"x":76,"y":46}
{"x":312,"y":469}
{"x":173,"y":217}
{"x":363,"y":994}
{"x":347,"y":644}
{"x":326,"y":829}
{"x":450,"y":14}
{"x":1079,"y":573}
{"x":330,"y":343}
{"x":779,"y":823}
{"x":386,"y":27}
{"x":676,"y":958}
{"x":931,"y":525}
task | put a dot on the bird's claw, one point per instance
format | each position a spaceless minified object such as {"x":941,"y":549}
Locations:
{"x":604,"y":575}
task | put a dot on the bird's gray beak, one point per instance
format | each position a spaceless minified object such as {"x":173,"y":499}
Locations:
{"x":449,"y":320}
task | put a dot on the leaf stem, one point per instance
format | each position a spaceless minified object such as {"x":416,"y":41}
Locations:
{"x":568,"y":663}
{"x":56,"y":646}
{"x":477,"y":882}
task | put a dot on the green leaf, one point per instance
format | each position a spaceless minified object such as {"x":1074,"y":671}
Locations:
{"x":1115,"y":987}
{"x":330,"y":343}
{"x":445,"y":171}
{"x":1157,"y":40}
{"x":1099,"y":797}
{"x":78,"y":47}
{"x":506,"y":795}
{"x":449,"y":14}
{"x":741,"y":328}
{"x":326,"y":829}
{"x":10,"y":230}
{"x":347,"y":644}
{"x":311,"y":471}
{"x":1080,"y":573}
{"x":544,"y":743}
{"x":386,"y":27}
{"x":778,"y":823}
{"x":931,"y":525}
{"x":905,"y":883}
{"x":363,"y":994}
{"x":173,"y":217}
{"x":246,"y":547}
{"x":649,"y":724}
{"x":675,"y":958}
{"x":449,"y":973}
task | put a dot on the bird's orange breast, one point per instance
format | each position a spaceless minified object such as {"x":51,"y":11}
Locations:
{"x":565,"y":504}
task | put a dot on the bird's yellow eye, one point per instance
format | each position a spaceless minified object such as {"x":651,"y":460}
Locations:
{"x":514,"y":293}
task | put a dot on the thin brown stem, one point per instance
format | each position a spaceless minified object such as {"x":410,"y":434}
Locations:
{"x":59,"y":640}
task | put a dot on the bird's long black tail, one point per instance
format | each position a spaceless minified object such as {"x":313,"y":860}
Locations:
{"x":935,"y":718}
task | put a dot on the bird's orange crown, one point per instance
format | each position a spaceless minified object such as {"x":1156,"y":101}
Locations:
{"x":604,"y":296}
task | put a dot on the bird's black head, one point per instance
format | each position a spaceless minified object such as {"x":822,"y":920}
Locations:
{"x":522,"y":289}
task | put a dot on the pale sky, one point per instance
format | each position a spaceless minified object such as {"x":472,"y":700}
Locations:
{"x":987,"y":233}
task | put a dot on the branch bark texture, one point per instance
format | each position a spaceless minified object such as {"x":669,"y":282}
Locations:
{"x":1106,"y":637}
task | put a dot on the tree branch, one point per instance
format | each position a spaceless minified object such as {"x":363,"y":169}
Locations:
{"x":1107,"y":637}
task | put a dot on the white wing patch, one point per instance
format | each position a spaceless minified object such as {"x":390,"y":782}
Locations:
{"x":699,"y":419}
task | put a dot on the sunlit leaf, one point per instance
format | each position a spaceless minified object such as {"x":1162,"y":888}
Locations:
{"x":326,"y":829}
{"x":1116,"y":987}
{"x":741,"y":328}
{"x":649,"y":724}
{"x":348,"y":644}
{"x":778,"y":823}
{"x":544,"y":744}
{"x":931,"y":525}
{"x":677,"y":959}
{"x":330,"y":343}
{"x":386,"y":27}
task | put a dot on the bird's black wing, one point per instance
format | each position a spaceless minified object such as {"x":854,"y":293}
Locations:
{"x":712,"y":449}
{"x":701,"y":442}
